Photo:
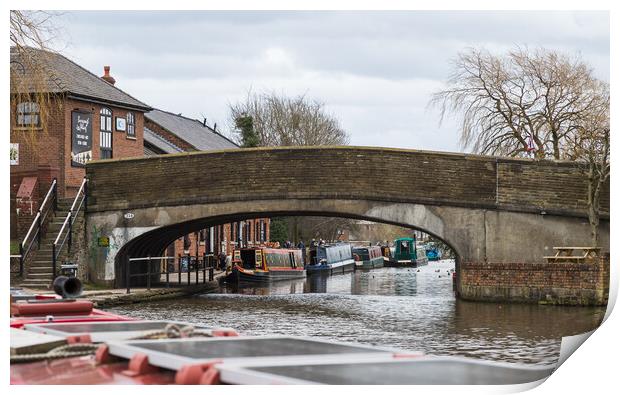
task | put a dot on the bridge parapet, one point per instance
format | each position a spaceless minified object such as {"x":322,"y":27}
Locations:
{"x":357,"y":173}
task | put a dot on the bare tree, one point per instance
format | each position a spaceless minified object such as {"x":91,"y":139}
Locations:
{"x":292,"y":121}
{"x":285,"y":121}
{"x":538,"y":101}
{"x":522,"y":103}
{"x":590,"y":146}
{"x":31,"y":35}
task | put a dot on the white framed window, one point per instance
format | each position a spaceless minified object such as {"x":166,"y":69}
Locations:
{"x":105,"y":133}
{"x":28,"y":114}
{"x":131,"y":124}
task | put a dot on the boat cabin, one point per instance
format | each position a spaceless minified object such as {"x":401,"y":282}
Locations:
{"x":367,"y":253}
{"x":333,"y":253}
{"x":260,"y":258}
{"x":405,"y":249}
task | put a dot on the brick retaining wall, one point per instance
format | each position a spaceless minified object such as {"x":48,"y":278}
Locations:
{"x":584,"y":284}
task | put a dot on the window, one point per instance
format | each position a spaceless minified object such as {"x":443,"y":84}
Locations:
{"x":131,"y":125}
{"x":28,"y":114}
{"x":263,"y":227}
{"x":105,"y":133}
{"x":257,"y":231}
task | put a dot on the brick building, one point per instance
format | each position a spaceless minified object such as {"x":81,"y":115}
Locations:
{"x":62,"y":116}
{"x":83,"y":117}
{"x":168,"y":133}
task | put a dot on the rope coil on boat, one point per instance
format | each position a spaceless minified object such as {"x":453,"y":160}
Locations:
{"x":171,"y":331}
{"x":174,"y":331}
{"x":65,"y":351}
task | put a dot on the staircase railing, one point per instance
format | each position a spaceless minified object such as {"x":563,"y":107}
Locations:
{"x":81,"y":199}
{"x":34,"y":232}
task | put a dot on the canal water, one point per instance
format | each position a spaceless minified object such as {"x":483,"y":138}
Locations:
{"x":412,"y":309}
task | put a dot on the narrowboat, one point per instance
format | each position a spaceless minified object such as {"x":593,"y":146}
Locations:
{"x":259,"y":264}
{"x":432,"y":253}
{"x":331,"y":258}
{"x":387,"y":254}
{"x":404,"y":254}
{"x":368,"y":257}
{"x":36,"y":309}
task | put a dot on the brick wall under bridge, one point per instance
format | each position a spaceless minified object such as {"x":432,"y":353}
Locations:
{"x":488,"y":209}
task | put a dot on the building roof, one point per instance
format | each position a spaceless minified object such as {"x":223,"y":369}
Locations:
{"x":65,"y":76}
{"x":159,"y":142}
{"x":194,"y":132}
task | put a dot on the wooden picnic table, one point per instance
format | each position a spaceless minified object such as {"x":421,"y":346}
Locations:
{"x":566,"y":254}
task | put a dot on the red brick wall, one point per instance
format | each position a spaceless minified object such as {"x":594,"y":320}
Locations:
{"x":38,"y":147}
{"x":553,"y":283}
{"x":253,"y":239}
{"x":122,"y":145}
{"x":50,"y":145}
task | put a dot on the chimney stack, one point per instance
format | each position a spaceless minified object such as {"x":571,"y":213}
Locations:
{"x":106,"y":75}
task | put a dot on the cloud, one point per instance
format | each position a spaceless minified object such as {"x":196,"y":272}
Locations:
{"x":374,"y":71}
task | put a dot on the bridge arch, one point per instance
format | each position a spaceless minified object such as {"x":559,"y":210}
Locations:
{"x":180,"y":221}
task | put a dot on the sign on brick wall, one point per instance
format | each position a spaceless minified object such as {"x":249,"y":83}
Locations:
{"x":81,"y":138}
{"x":14,"y":154}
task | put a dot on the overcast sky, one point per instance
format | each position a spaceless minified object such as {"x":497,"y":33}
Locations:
{"x":375,"y":71}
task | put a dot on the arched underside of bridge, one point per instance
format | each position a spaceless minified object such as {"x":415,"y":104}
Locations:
{"x":476,"y":235}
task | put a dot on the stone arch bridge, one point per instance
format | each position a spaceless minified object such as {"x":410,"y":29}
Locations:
{"x":488,"y":209}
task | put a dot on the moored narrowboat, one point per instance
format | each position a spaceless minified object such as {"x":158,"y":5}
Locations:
{"x":261,"y":264}
{"x":368,"y":257}
{"x":432,"y":252}
{"x":404,"y":253}
{"x":331,"y":258}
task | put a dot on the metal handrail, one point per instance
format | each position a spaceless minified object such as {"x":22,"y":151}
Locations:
{"x":152,"y":257}
{"x":49,"y":192}
{"x":62,"y":228}
{"x":34,"y":222}
{"x":56,"y":249}
{"x":38,"y":221}
{"x":82,"y":186}
{"x":47,"y":195}
{"x":166,"y":259}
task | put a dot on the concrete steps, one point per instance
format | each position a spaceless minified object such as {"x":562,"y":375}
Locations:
{"x":39,"y":274}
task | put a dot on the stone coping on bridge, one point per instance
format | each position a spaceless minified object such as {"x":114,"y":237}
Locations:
{"x":464,"y":155}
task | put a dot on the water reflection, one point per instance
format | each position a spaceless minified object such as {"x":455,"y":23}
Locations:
{"x":395,"y":307}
